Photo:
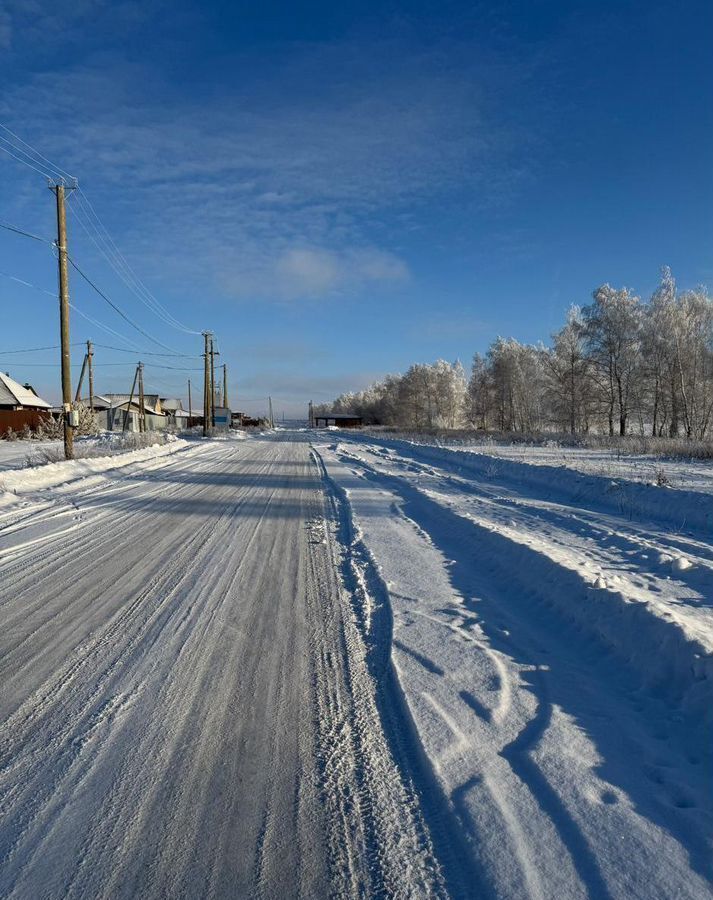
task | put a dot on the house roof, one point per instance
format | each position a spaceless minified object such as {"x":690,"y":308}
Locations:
{"x":100,"y":401}
{"x":13,"y":393}
{"x":151,"y":401}
{"x":171,"y":404}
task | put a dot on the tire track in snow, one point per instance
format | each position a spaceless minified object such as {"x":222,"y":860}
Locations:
{"x":459,"y":539}
{"x":372,"y":614}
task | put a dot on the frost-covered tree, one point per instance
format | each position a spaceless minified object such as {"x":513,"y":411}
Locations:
{"x":480,"y":398}
{"x":615,"y":362}
{"x":613,"y":333}
{"x":568,"y":373}
{"x":517,"y":374}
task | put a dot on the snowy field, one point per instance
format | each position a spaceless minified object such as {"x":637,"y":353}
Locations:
{"x":324,"y":664}
{"x":16,"y":454}
{"x":603,"y":462}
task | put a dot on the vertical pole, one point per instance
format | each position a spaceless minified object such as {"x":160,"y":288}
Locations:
{"x":127,"y":411}
{"x":190,"y":405}
{"x":64,"y":320}
{"x":272,"y":421}
{"x":90,"y":358}
{"x":225,"y":385}
{"x":212,"y":385}
{"x":206,"y":384}
{"x":142,"y":409}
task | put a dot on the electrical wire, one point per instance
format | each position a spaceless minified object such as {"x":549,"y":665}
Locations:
{"x":106,"y":328}
{"x":160,"y":308}
{"x":149,"y":365}
{"x":95,"y":322}
{"x":86,"y":213}
{"x":37,"y":349}
{"x":116,"y":308}
{"x":27,"y":234}
{"x":23,"y":161}
{"x":151,"y":352}
{"x":34,"y":160}
{"x":52,"y":166}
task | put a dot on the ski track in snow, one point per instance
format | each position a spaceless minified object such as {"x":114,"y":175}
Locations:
{"x":307,"y":665}
{"x":556,"y":665}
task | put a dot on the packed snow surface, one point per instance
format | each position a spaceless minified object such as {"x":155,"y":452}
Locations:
{"x":321,"y":664}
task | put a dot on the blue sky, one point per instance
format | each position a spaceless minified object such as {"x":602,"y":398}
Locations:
{"x":339,"y":190}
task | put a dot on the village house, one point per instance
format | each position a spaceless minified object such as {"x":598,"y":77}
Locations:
{"x":176,"y":415}
{"x":20,"y":405}
{"x":122,"y":407}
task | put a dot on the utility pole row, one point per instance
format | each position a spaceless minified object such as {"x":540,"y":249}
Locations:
{"x":71,"y":417}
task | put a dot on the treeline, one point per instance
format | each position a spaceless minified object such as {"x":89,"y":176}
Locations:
{"x":617,"y":366}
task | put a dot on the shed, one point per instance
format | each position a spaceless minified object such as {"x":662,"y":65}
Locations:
{"x":338,"y":420}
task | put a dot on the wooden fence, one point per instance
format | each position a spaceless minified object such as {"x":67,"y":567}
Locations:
{"x":18,"y":418}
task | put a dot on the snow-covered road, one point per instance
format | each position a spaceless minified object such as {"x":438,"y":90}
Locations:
{"x":187,"y":708}
{"x":322,"y":665}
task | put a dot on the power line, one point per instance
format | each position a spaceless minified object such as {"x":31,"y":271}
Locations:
{"x":26,"y":283}
{"x":28,"y":234}
{"x":36,"y":161}
{"x":36,"y":349}
{"x":35,"y":151}
{"x":106,"y":328}
{"x":116,"y":308}
{"x":34,"y":365}
{"x":76,"y":309}
{"x":175,"y":368}
{"x":110,"y":251}
{"x":21,"y":160}
{"x":150,"y":352}
{"x":148,"y":294}
{"x":148,"y":365}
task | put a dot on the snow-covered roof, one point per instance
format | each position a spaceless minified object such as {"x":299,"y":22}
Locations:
{"x":171,"y":404}
{"x":13,"y":393}
{"x":151,"y":401}
{"x":100,"y":401}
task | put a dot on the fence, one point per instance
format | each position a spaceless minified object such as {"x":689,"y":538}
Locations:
{"x":18,"y":418}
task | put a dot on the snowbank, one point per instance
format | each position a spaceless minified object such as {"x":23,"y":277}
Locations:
{"x":37,"y":478}
{"x":681,"y":509}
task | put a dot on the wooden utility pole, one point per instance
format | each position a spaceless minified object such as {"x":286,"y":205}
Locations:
{"x":58,"y":190}
{"x":142,"y":408}
{"x":311,"y":414}
{"x":272,"y":421}
{"x":225,"y":385}
{"x":213,"y":354}
{"x":78,"y":393}
{"x":206,"y":384}
{"x":127,"y":411}
{"x":90,"y":360}
{"x":190,"y":406}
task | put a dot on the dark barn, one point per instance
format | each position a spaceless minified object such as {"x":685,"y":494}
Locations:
{"x":339,"y":420}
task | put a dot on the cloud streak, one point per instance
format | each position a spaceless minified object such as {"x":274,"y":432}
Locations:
{"x":278,"y":199}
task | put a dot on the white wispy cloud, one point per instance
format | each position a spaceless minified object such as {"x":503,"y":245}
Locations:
{"x":268,"y":193}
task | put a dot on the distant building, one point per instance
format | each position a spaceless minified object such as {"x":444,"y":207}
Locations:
{"x":173,"y":409}
{"x":338,"y":420}
{"x":15,"y":396}
{"x":122,"y":407}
